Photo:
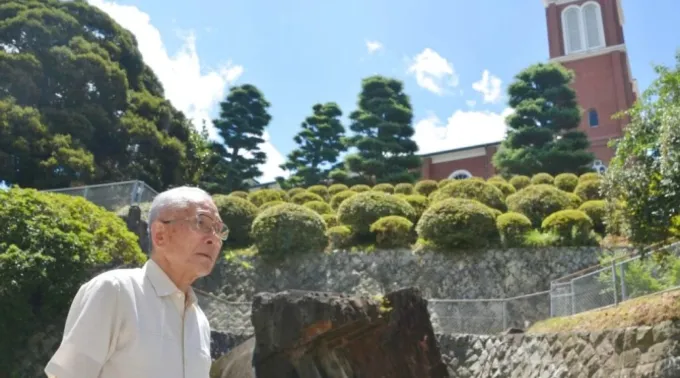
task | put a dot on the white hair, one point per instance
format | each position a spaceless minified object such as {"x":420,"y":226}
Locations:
{"x":176,"y":199}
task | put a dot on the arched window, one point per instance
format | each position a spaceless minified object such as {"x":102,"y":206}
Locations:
{"x":593,"y":118}
{"x":582,"y":27}
{"x":572,"y":29}
{"x":460,"y":174}
{"x":599,"y":167}
{"x":592,"y":22}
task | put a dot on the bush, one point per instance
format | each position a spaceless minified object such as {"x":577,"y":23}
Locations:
{"x":331,"y":220}
{"x":336,"y":188}
{"x":392,"y":232}
{"x":339,"y":236}
{"x":385,"y":188}
{"x":458,"y":223}
{"x":359,"y":212}
{"x":319,"y":207}
{"x":542,"y":178}
{"x":496,"y":178}
{"x":473,"y":189}
{"x":575,"y":200}
{"x":337,"y":199}
{"x":596,"y":210}
{"x":238,"y":214}
{"x":360,"y":188}
{"x":418,"y":202}
{"x":287,"y":230}
{"x":444,"y":182}
{"x":513,"y":228}
{"x":262,"y":196}
{"x":404,"y":188}
{"x":240,"y":194}
{"x":566,"y":181}
{"x":49,"y":245}
{"x":589,"y":190}
{"x":294,"y":191}
{"x":304,"y":197}
{"x":572,"y":226}
{"x":320,"y":191}
{"x":538,"y":201}
{"x":269,"y":204}
{"x":504,"y":187}
{"x":425,"y":187}
{"x":589,"y":176}
{"x":520,"y":182}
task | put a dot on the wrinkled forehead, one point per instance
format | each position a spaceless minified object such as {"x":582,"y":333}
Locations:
{"x":193,"y":208}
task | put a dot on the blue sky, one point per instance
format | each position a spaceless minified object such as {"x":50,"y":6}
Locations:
{"x":300,"y":52}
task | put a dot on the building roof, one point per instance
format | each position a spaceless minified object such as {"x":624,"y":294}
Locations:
{"x":459,"y":149}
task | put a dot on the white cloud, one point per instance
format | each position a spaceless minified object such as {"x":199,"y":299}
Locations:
{"x":471,"y":103}
{"x":373,"y":46}
{"x":462,"y":129}
{"x":189,"y":86}
{"x":433,"y":72}
{"x":489,"y":86}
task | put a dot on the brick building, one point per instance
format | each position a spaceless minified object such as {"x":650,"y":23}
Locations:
{"x":585,"y":36}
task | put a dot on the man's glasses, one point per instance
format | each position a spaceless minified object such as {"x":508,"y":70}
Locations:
{"x":205,"y":224}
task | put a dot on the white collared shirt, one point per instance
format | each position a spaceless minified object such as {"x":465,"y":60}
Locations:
{"x":133,"y":323}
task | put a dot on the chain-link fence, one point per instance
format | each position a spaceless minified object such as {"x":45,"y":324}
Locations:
{"x":113,"y":196}
{"x":616,"y":279}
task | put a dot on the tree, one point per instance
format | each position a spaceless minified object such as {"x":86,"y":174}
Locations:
{"x":383,"y":131}
{"x":642,"y":183}
{"x":320,"y":142}
{"x":542,"y":134}
{"x":243,"y":119}
{"x":79,"y":104}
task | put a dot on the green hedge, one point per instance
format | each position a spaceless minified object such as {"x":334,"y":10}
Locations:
{"x":392,"y":231}
{"x":538,"y":201}
{"x":359,"y":212}
{"x":288,"y":230}
{"x":238,"y":214}
{"x":472,"y":189}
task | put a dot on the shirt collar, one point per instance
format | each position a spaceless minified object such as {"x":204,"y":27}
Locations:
{"x":161,"y":283}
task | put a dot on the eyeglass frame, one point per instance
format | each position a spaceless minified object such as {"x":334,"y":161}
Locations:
{"x":222,"y":235}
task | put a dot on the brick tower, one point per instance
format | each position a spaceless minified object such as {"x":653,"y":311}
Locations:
{"x":586,"y":36}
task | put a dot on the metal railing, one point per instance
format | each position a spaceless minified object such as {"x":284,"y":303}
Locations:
{"x":112,"y":196}
{"x":616,"y":279}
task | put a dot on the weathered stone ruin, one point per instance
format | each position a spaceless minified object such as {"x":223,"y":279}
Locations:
{"x":323,"y":335}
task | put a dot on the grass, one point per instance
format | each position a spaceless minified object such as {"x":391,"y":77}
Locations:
{"x":648,"y":310}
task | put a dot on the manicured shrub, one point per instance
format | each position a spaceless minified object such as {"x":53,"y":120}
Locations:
{"x":319,"y":190}
{"x":457,"y":223}
{"x":360,"y":188}
{"x":240,"y":194}
{"x":385,"y":188}
{"x":472,"y":189}
{"x":319,"y":207}
{"x":542,"y":178}
{"x":496,"y":178}
{"x":538,"y":201}
{"x":442,"y":183}
{"x":596,"y":210}
{"x":262,"y":196}
{"x":504,"y":187}
{"x":572,"y":226}
{"x":287,"y":230}
{"x":339,"y":236}
{"x":269,"y":204}
{"x":294,"y":191}
{"x":513,"y":228}
{"x":49,"y":245}
{"x":575,"y":200}
{"x":284,"y":194}
{"x":336,"y":188}
{"x":566,"y":181}
{"x":589,"y":190}
{"x":520,"y":182}
{"x":360,"y":211}
{"x":337,"y":199}
{"x":589,"y":176}
{"x":425,"y":187}
{"x":238,"y":214}
{"x":304,"y":197}
{"x":404,"y":188}
{"x":418,"y":202}
{"x":392,"y":231}
{"x":331,"y":220}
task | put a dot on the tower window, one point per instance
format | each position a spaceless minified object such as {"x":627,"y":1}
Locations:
{"x":460,"y":174}
{"x":593,"y":118}
{"x":582,"y":27}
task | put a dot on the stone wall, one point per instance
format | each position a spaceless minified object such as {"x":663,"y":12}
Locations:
{"x":643,"y":352}
{"x":491,"y":274}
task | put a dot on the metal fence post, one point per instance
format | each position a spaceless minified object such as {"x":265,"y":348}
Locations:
{"x":505,"y":317}
{"x":616,"y":295}
{"x":134,"y":194}
{"x":573,"y":297}
{"x":552,"y":306}
{"x":624,"y":294}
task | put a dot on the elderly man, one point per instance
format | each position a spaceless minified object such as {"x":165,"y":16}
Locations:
{"x":145,"y":322}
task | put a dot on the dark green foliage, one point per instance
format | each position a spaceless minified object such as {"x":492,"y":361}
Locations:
{"x":304,"y":197}
{"x":566,"y":181}
{"x":337,"y":199}
{"x":319,"y":207}
{"x":520,"y":181}
{"x":538,"y":201}
{"x":360,"y":211}
{"x":49,"y":245}
{"x":242,"y":121}
{"x":287,"y":230}
{"x":392,"y":232}
{"x":589,"y":190}
{"x":382,"y":127}
{"x":238,"y":214}
{"x":458,"y":223}
{"x":403,"y":188}
{"x":543,"y":135}
{"x":320,"y":142}
{"x":572,"y":226}
{"x":542,"y":178}
{"x":513,"y":228}
{"x":262,"y":196}
{"x":385,"y":188}
{"x":596,"y":210}
{"x":472,"y":189}
{"x":78,"y":105}
{"x":426,"y":187}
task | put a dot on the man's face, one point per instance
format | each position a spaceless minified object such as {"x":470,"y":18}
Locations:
{"x":188,"y":242}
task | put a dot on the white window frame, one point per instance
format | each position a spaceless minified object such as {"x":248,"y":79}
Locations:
{"x":460,"y":172}
{"x":582,"y":28}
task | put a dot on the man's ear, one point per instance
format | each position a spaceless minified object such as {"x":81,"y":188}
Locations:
{"x":158,"y":234}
